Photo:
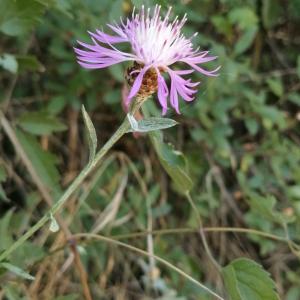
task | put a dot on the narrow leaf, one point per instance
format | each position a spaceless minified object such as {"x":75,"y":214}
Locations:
{"x":91,"y":134}
{"x":16,"y":270}
{"x":152,"y":124}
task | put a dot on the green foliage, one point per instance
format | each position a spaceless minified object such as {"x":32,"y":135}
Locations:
{"x":16,"y":270}
{"x":173,"y":162}
{"x":236,"y":146}
{"x":43,"y":162}
{"x":18,"y":17}
{"x":40,"y":123}
{"x":246,"y":280}
{"x":91,"y":134}
{"x":9,"y":63}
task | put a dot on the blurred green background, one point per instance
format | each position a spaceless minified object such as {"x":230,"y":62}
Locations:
{"x":240,"y":140}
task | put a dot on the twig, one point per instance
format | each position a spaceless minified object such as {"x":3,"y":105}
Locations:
{"x":145,"y":253}
{"x":205,"y":229}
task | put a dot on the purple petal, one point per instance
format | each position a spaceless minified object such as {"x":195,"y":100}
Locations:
{"x":203,"y":71}
{"x":199,"y":59}
{"x":162,"y":92}
{"x":137,"y":84}
{"x":181,"y":86}
{"x":106,"y":38}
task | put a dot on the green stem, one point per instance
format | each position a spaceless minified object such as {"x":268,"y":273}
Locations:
{"x":202,"y":234}
{"x":205,"y":229}
{"x":71,"y":189}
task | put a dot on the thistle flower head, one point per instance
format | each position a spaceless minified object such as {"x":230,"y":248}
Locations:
{"x":156,"y":44}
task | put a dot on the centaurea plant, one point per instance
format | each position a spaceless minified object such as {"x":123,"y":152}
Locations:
{"x":157,"y":44}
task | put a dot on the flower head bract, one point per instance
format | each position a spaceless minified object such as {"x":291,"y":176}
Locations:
{"x":156,"y":45}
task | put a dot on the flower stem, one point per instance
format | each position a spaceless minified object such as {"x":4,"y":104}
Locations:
{"x":71,"y":189}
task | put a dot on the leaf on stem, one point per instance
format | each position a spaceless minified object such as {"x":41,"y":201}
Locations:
{"x":247,"y":280}
{"x":152,"y":124}
{"x":16,"y":270}
{"x":54,"y":227}
{"x":173,"y":161}
{"x":91,"y":134}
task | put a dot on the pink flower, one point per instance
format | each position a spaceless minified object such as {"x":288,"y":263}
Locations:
{"x":156,"y":44}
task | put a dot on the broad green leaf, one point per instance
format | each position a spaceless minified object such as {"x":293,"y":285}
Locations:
{"x":247,"y":280}
{"x":265,"y":207}
{"x":91,"y":134}
{"x":28,"y":253}
{"x":9,"y":62}
{"x":244,"y":17}
{"x":16,"y":270}
{"x":40,"y":123}
{"x":18,"y":17}
{"x":152,"y":124}
{"x":42,"y":161}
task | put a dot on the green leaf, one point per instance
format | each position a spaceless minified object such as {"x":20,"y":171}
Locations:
{"x":5,"y":234}
{"x":276,"y":86}
{"x":40,"y":123}
{"x":265,"y":207}
{"x":244,"y":17}
{"x":152,"y":124}
{"x":42,"y":161}
{"x":295,"y":98}
{"x":9,"y":63}
{"x":271,"y":10}
{"x":91,"y":134}
{"x":3,"y":174}
{"x":247,"y":280}
{"x":173,"y":162}
{"x":3,"y":196}
{"x":29,"y":63}
{"x":18,"y":17}
{"x":16,"y":270}
{"x":245,"y":41}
